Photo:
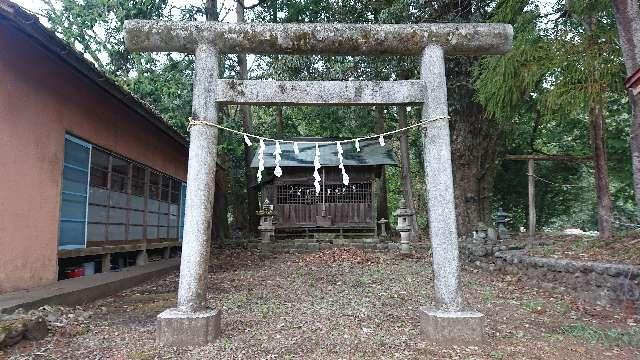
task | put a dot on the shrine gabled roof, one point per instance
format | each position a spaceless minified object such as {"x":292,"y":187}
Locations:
{"x":370,"y":154}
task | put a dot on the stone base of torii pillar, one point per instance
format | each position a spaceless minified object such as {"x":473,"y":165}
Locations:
{"x":185,"y":328}
{"x":451,"y":327}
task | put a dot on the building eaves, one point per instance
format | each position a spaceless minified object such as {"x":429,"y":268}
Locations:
{"x":30,"y":25}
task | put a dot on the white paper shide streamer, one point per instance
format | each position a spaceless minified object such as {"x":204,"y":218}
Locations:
{"x":381,"y":139}
{"x":316,"y":165}
{"x":295,"y":148}
{"x":358,"y":145}
{"x":345,"y":177}
{"x":260,"y":160}
{"x":277,"y":171}
{"x":246,"y":140}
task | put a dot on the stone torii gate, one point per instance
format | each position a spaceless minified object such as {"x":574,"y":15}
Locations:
{"x":191,"y":322}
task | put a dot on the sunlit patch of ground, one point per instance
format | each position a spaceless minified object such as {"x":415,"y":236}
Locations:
{"x":343,"y":304}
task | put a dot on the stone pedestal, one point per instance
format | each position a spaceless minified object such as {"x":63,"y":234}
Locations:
{"x":459,"y":328}
{"x":383,"y":228}
{"x":323,"y":219}
{"x":181,"y":328}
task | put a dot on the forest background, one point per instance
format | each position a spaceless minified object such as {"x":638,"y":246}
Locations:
{"x":564,"y":76}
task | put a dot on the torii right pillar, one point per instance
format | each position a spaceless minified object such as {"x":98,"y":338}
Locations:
{"x":446,"y":322}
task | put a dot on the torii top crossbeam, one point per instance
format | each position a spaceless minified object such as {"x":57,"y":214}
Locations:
{"x":319,"y":39}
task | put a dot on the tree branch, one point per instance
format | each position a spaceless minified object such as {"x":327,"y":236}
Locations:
{"x":262,"y":2}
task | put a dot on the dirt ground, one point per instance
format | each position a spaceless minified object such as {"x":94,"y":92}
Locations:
{"x":340,"y":304}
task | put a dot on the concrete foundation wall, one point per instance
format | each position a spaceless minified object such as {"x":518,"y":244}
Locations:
{"x":41,"y":98}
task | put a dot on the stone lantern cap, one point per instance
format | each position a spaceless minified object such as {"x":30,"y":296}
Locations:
{"x":266,"y":209}
{"x":402,"y":210}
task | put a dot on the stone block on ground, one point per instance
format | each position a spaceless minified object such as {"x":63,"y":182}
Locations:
{"x":179,"y":328}
{"x":459,"y":328}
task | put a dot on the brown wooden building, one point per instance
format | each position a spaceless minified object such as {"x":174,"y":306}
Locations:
{"x":345,"y":209}
{"x":90,"y":174}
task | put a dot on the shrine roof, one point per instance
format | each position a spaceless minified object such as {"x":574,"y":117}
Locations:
{"x":370,"y":154}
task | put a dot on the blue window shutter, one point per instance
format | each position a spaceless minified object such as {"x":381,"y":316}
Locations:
{"x":74,"y":193}
{"x":183,"y":197}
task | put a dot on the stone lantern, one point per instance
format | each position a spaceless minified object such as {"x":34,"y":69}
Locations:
{"x":266,"y":227}
{"x":501,"y":224}
{"x":404,"y":226}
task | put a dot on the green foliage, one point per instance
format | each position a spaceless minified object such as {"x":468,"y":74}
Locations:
{"x":590,"y":333}
{"x":533,"y":305}
{"x":537,"y":94}
{"x":562,"y":61}
{"x":96,"y":26}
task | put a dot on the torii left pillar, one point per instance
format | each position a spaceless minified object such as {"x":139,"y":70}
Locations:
{"x":192,"y":322}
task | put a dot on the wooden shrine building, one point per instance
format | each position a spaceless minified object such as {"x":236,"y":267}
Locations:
{"x":348,"y":210}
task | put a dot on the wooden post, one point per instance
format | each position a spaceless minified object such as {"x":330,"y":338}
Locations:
{"x":106,"y":263}
{"x":532,"y":203}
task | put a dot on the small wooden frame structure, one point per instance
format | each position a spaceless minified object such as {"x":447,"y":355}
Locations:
{"x":347,"y":210}
{"x":531,"y":158}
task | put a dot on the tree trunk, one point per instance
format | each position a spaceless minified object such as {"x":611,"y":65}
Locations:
{"x":383,"y":208}
{"x":407,"y":185}
{"x":474,"y":137}
{"x":601,"y":172}
{"x":627,"y":14}
{"x":245,"y":114}
{"x":596,"y":119}
{"x":474,"y":143}
{"x":279,"y":119}
{"x":211,"y":10}
{"x":279,"y":123}
{"x":634,"y":144}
